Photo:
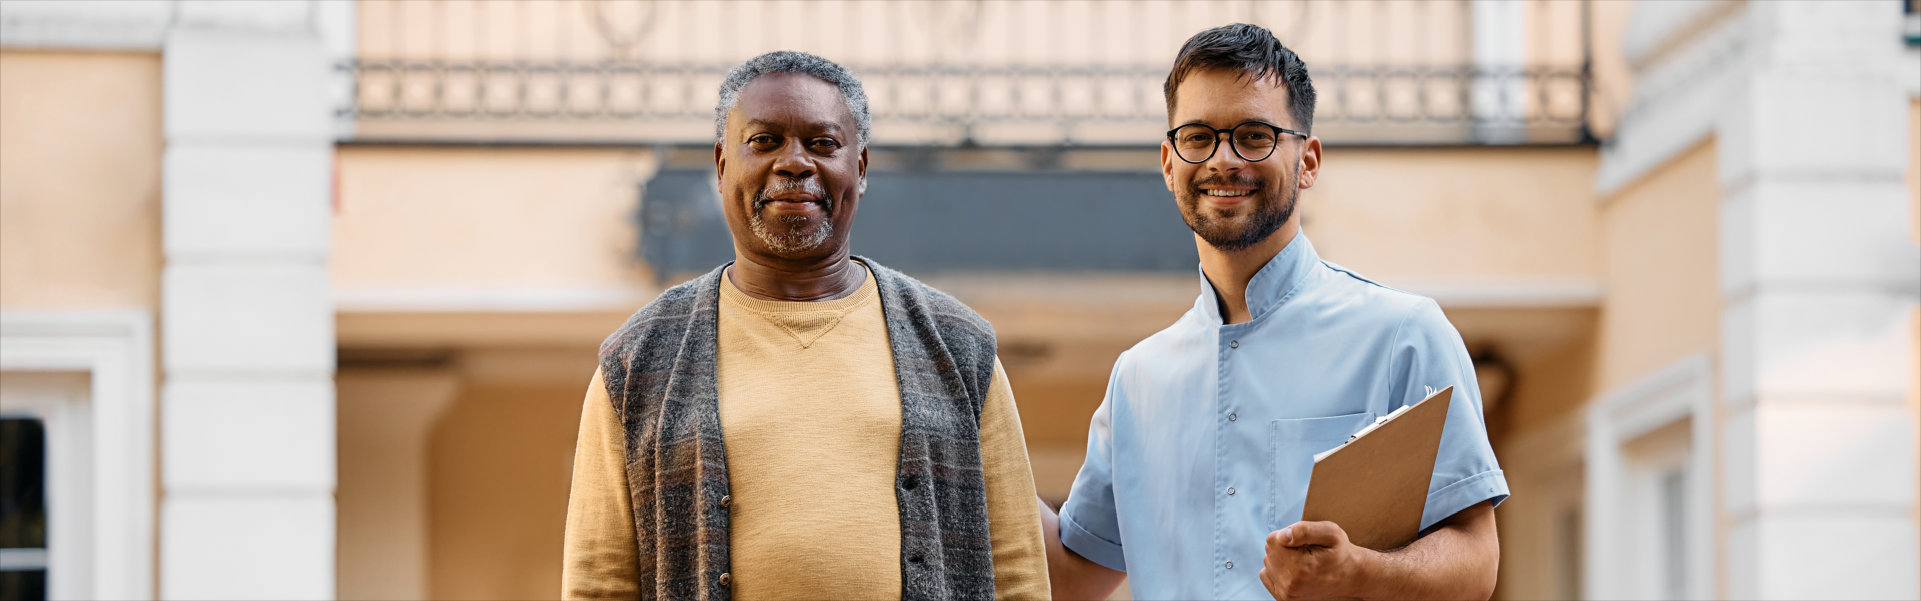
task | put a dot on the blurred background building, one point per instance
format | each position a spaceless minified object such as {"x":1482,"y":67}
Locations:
{"x":300,"y":299}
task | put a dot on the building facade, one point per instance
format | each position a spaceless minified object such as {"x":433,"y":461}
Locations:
{"x":300,"y":300}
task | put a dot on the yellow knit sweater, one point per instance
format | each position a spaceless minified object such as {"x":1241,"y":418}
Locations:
{"x":810,"y":408}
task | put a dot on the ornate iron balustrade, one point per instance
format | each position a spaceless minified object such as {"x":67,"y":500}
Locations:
{"x":989,"y":105}
{"x":956,"y":72}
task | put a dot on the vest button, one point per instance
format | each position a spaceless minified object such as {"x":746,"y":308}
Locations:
{"x":726,"y":500}
{"x":915,"y":559}
{"x":726,"y":579}
{"x":912,"y":482}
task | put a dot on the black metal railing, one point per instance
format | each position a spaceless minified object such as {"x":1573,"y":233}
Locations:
{"x":1043,"y":105}
{"x":960,"y":72}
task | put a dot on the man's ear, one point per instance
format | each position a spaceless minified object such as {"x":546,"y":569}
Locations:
{"x":1167,"y":166}
{"x":863,"y":170}
{"x":1310,"y":162}
{"x":720,"y":163}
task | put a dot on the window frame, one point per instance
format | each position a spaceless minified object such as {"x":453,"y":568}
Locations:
{"x":1617,"y":491}
{"x":106,"y":550}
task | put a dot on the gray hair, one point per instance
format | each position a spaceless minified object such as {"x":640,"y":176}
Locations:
{"x":787,"y":61}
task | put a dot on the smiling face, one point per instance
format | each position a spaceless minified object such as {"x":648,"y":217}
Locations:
{"x":1229,"y":202}
{"x":791,"y":169}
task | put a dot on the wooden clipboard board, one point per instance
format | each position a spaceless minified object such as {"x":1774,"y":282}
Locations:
{"x":1375,"y":485}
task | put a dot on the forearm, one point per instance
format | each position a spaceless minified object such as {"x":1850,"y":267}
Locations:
{"x":1458,"y":560}
{"x":1071,"y":576}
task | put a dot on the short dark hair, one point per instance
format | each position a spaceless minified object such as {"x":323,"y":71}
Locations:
{"x":787,"y":61}
{"x":1252,"y":51}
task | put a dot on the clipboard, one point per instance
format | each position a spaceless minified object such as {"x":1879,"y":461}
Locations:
{"x":1375,"y":485}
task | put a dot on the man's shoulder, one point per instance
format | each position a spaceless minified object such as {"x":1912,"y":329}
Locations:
{"x":942,"y":308}
{"x":1406,"y":317}
{"x":1375,"y":301}
{"x":667,"y":314}
{"x":1158,"y":350}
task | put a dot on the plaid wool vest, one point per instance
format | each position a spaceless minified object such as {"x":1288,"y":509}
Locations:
{"x":661,"y":377}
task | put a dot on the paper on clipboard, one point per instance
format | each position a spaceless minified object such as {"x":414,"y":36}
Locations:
{"x":1375,"y":485}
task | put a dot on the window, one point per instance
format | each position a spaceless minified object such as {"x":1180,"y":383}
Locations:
{"x":23,"y":509}
{"x":1650,"y":502}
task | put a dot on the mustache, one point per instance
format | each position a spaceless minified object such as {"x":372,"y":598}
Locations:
{"x":778,"y":186}
{"x":1238,"y":180}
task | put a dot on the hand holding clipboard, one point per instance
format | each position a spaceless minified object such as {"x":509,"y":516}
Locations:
{"x":1375,"y":485}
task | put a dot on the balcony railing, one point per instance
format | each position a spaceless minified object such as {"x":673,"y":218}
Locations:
{"x":1443,"y":87}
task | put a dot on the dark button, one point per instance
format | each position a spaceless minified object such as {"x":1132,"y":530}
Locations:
{"x":912,"y":482}
{"x":726,"y":500}
{"x":726,"y":579}
{"x":1233,"y":344}
{"x":915,"y":559}
{"x":1233,"y":416}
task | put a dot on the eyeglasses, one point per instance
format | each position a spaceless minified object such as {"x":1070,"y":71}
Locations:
{"x":1253,"y":141}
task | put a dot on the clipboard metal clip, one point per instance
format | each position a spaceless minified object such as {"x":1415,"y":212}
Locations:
{"x":1378,"y":421}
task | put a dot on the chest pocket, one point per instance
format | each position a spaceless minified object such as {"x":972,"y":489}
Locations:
{"x":1292,"y":444}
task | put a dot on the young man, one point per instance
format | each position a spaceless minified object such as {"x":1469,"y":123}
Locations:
{"x":800,"y":423}
{"x":1198,"y":459}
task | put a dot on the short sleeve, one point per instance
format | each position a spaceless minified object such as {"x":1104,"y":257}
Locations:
{"x":1429,"y":356}
{"x":1090,"y":527}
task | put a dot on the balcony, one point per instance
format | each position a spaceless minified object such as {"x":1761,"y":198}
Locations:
{"x":956,"y":74}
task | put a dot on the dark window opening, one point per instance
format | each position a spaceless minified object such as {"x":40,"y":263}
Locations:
{"x":23,"y":509}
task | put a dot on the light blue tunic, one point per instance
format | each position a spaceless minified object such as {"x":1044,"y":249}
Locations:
{"x":1206,"y":438}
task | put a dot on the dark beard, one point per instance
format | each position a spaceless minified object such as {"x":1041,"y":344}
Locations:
{"x":1268,"y":210}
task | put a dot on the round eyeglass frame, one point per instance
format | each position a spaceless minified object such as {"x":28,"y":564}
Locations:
{"x":1236,"y":147}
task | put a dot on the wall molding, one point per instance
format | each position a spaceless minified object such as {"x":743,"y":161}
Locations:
{"x":1684,"y":390}
{"x":116,"y":350}
{"x":1678,"y":99}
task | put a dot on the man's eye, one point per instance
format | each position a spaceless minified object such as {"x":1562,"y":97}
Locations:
{"x":825,"y":144}
{"x":763,"y":140}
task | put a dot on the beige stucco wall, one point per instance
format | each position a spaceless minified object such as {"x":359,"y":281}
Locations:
{"x":465,"y":219}
{"x":501,"y":460}
{"x":1914,"y":316}
{"x":1428,"y":214}
{"x":80,"y":146}
{"x":1662,"y":300}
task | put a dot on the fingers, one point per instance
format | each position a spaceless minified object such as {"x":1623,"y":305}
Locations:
{"x":1301,"y":534}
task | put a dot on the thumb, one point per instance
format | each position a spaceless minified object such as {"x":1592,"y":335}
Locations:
{"x":1302,"y":534}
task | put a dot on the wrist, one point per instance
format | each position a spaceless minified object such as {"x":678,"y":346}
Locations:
{"x":1371,"y":571}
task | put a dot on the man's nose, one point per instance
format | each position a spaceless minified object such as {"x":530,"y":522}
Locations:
{"x":1225,"y":160}
{"x":794,"y":161}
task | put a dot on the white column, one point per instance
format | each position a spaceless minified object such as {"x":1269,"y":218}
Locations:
{"x":1818,"y":277}
{"x":247,"y":426}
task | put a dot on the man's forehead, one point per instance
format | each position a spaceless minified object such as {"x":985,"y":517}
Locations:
{"x":787,"y":92}
{"x":1216,"y":96}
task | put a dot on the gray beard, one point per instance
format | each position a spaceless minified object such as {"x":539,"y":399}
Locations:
{"x":794,"y":241}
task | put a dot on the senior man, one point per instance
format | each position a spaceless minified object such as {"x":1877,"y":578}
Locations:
{"x":800,"y":423}
{"x":1198,"y":459}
